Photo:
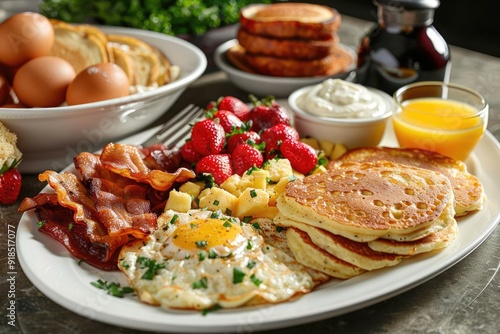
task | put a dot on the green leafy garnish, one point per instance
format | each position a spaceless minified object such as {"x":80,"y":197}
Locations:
{"x":111,"y":288}
{"x":152,"y":266}
{"x":238,"y":275}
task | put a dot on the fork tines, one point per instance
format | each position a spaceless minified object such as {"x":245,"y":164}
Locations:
{"x":173,"y":131}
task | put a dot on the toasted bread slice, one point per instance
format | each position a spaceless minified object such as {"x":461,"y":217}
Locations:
{"x":290,"y":20}
{"x":80,"y":46}
{"x":287,"y":48}
{"x":152,"y":67}
{"x":122,"y":59}
{"x":468,"y":190}
{"x":336,"y":62}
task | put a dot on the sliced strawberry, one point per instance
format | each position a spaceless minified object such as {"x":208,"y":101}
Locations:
{"x":219,"y":165}
{"x":189,"y":153}
{"x":208,"y":137}
{"x":276,"y":134}
{"x":228,"y":120}
{"x":10,"y":186}
{"x":302,"y":157}
{"x":239,"y":137}
{"x":266,"y":113}
{"x":244,"y":157}
{"x":234,"y":105}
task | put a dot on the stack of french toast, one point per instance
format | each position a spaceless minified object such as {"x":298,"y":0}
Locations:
{"x":289,"y":40}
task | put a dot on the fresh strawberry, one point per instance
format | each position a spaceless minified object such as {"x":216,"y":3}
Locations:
{"x":188,"y":152}
{"x":219,"y":165}
{"x":238,"y":137}
{"x":302,"y":157}
{"x":10,"y":186}
{"x":276,"y":134}
{"x":246,"y":156}
{"x":228,"y":120}
{"x":208,"y":137}
{"x":234,"y":105}
{"x":266,"y":113}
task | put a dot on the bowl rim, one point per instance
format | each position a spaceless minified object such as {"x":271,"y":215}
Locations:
{"x":222,"y":62}
{"x":297,"y":111}
{"x":122,"y":103}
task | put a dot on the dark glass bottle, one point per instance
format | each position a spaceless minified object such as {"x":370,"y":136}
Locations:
{"x":403,"y":47}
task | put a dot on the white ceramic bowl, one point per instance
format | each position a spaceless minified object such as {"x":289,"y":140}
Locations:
{"x":263,"y":85}
{"x":352,"y":132}
{"x":49,"y":138}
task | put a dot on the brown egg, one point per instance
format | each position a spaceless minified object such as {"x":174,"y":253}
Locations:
{"x":97,"y":83}
{"x":43,"y":81}
{"x":4,"y":90}
{"x":25,"y":36}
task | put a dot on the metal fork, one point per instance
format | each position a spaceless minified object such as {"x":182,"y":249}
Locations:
{"x":172,"y":132}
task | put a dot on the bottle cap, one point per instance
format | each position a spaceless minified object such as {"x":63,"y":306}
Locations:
{"x":406,"y":12}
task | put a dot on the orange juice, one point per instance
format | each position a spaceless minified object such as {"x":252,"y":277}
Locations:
{"x":449,"y":127}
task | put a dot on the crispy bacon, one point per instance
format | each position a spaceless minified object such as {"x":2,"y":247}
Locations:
{"x":126,"y":160}
{"x":112,"y":199}
{"x":121,"y":204}
{"x":58,"y":222}
{"x":73,"y":195}
{"x":159,"y":156}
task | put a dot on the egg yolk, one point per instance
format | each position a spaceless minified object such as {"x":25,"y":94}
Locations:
{"x":207,"y":234}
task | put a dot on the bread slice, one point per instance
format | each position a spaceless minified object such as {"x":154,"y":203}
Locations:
{"x":338,"y":61}
{"x":290,"y":20}
{"x":82,"y":46}
{"x":468,"y":191}
{"x":287,"y":47}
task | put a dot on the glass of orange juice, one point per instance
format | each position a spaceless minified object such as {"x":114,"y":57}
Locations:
{"x":442,"y":117}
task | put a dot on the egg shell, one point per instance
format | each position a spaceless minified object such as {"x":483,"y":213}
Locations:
{"x":97,"y":83}
{"x":43,"y":81}
{"x":25,"y":36}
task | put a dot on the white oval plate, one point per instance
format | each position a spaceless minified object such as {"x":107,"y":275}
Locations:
{"x":61,"y":278}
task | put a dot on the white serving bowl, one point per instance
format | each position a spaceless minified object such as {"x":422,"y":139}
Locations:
{"x":264,"y":85}
{"x":351,"y":132}
{"x":49,"y":138}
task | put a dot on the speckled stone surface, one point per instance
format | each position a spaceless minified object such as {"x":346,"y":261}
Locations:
{"x":463,"y":299}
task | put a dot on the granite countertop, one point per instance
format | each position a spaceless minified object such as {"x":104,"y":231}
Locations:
{"x":462,"y":299}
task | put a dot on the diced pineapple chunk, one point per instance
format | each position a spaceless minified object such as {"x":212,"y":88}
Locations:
{"x":326,"y":146}
{"x":313,"y":142}
{"x":338,"y":150}
{"x":252,"y":202}
{"x":178,"y":201}
{"x":260,"y":178}
{"x":191,"y":188}
{"x":278,"y":168}
{"x":215,"y":199}
{"x":232,"y":185}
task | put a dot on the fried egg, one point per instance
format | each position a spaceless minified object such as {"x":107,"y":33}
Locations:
{"x":202,"y":259}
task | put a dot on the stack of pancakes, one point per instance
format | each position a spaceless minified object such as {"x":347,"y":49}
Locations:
{"x":289,"y":40}
{"x":372,"y":213}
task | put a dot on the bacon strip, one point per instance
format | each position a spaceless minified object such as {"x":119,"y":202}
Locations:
{"x":121,"y":204}
{"x":126,"y":160}
{"x":72,"y":194}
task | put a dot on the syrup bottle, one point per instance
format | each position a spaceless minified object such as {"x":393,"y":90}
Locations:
{"x":403,"y":47}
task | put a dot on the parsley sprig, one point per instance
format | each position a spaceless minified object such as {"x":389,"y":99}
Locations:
{"x":112,"y":288}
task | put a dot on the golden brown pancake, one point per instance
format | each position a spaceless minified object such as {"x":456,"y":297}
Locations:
{"x":310,"y":255}
{"x":366,"y":201}
{"x":356,"y":253}
{"x":468,"y":190}
{"x":432,"y":242}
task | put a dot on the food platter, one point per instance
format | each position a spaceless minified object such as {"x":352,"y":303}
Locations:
{"x":67,"y":282}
